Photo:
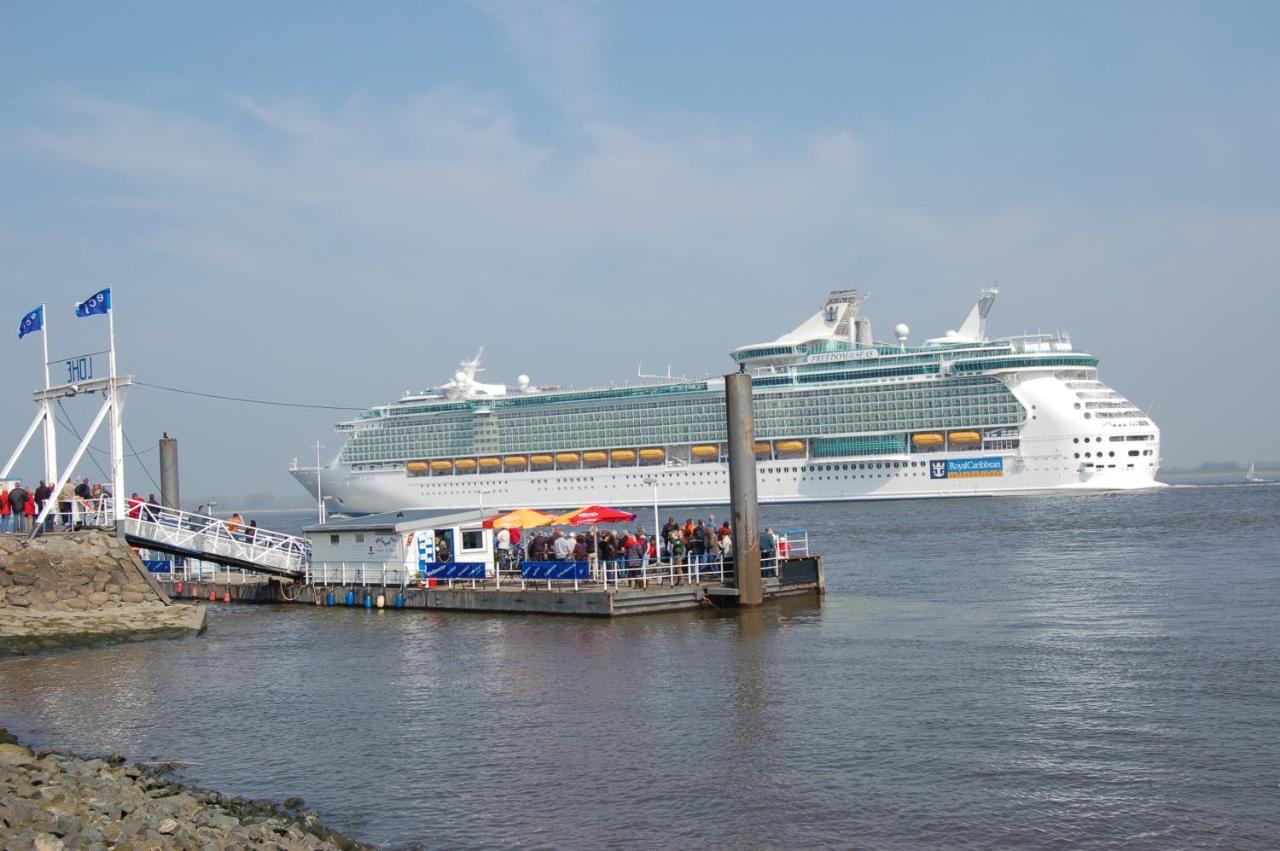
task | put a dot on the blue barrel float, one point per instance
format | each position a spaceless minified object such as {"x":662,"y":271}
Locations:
{"x":351,"y":598}
{"x":400,"y":600}
{"x":368,"y":601}
{"x":329,"y":599}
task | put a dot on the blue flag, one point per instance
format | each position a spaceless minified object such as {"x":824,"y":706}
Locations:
{"x":99,"y":302}
{"x":32,"y":322}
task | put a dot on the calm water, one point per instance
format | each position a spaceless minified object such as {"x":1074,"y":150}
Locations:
{"x":1100,"y":670}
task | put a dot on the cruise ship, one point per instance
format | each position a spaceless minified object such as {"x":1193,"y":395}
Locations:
{"x":838,"y":416}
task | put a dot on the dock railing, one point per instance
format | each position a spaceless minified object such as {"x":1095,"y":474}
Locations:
{"x":524,"y":574}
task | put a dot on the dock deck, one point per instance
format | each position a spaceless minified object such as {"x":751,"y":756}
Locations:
{"x":795,"y":576}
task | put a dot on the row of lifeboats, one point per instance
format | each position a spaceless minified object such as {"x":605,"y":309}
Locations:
{"x":599,"y":457}
{"x":931,"y":440}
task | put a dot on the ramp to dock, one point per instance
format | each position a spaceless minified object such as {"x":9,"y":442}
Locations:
{"x":208,"y":538}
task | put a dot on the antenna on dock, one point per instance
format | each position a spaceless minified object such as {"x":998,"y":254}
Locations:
{"x":319,"y":495}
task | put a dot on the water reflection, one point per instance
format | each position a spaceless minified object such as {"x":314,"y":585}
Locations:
{"x":983,"y":672}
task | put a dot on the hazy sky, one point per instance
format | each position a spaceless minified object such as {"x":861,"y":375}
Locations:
{"x":332,"y":203}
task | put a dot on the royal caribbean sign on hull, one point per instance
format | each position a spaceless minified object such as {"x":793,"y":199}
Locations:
{"x":966,"y":468}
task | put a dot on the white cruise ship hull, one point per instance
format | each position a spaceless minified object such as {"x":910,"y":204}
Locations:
{"x":909,"y":477}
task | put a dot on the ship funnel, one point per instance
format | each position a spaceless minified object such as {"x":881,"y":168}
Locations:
{"x":863,"y":332}
{"x":975,"y":324}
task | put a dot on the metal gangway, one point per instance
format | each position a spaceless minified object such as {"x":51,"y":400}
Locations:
{"x":202,"y":537}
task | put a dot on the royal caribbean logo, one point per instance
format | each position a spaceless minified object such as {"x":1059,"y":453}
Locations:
{"x":966,"y":468}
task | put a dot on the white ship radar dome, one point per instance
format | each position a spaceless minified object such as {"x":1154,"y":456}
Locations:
{"x":901,"y":331}
{"x":522,"y":381}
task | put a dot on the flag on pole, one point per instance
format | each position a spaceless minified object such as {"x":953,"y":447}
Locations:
{"x":99,"y":302}
{"x":32,"y":322}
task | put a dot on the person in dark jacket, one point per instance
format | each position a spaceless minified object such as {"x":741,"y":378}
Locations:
{"x":697,"y":544}
{"x":43,"y":494}
{"x":17,"y":505}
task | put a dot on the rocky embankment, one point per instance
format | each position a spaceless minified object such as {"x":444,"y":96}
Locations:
{"x":72,"y":589}
{"x":51,"y":800}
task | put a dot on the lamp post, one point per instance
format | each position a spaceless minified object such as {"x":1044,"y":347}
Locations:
{"x":657,"y":537}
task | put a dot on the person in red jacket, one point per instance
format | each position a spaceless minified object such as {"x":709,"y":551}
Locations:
{"x":31,"y":509}
{"x":6,"y":511}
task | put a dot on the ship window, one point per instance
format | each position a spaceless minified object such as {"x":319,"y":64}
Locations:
{"x":1134,"y":453}
{"x":1077,"y":454}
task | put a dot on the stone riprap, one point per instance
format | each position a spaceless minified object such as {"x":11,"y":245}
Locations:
{"x":51,"y":800}
{"x":79,"y":588}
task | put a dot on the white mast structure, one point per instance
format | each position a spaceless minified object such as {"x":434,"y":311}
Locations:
{"x":115,"y":398}
{"x":113,"y":388}
{"x":50,"y":433}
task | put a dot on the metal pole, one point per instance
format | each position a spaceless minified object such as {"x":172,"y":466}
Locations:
{"x":117,"y":441}
{"x":319,"y":495}
{"x":742,"y":489}
{"x":657,"y":537}
{"x":168,"y":473}
{"x":50,"y":433}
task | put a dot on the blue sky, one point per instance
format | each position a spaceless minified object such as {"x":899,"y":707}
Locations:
{"x":335,"y":202}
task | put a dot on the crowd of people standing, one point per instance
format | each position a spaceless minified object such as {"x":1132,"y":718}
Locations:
{"x":624,"y":552}
{"x":20,"y":507}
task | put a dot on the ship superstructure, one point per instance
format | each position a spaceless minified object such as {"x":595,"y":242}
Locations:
{"x":838,"y":416}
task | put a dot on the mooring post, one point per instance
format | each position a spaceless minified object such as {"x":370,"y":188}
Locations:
{"x":169,"y":472}
{"x":742,"y":489}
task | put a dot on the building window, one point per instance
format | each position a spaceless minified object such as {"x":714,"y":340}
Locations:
{"x":333,"y":539}
{"x":473,"y":539}
{"x":359,"y":537}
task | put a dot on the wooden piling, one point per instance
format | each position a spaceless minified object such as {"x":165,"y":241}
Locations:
{"x":742,"y":489}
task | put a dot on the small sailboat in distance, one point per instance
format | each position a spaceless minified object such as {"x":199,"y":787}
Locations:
{"x":1252,"y":476}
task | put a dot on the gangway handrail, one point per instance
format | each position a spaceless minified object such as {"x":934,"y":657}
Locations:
{"x":204,"y":536}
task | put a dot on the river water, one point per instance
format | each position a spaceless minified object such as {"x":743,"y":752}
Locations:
{"x":1096,"y":670}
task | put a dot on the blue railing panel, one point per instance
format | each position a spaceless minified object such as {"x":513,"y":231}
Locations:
{"x":567,"y":570}
{"x":452,"y":569}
